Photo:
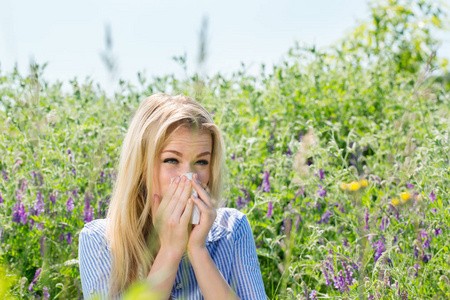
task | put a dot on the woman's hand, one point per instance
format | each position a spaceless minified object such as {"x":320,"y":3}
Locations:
{"x":197,"y":238}
{"x":171,"y":216}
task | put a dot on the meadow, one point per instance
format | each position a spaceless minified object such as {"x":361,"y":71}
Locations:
{"x":340,"y":158}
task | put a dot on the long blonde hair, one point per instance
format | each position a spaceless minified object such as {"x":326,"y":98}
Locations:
{"x":129,"y":214}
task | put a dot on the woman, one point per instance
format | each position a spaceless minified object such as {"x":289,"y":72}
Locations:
{"x":148,"y":232}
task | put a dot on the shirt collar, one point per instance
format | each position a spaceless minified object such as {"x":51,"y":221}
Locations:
{"x":217,"y":232}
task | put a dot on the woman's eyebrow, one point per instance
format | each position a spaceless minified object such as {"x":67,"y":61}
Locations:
{"x":181,"y":155}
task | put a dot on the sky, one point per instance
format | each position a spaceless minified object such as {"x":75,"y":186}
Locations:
{"x":70,"y":35}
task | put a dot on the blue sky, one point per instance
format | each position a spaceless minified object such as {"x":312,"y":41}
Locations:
{"x":69,"y":35}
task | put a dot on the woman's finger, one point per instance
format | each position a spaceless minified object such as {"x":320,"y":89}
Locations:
{"x":172,"y":202}
{"x":205,"y":211}
{"x":186,"y":216}
{"x":201,"y":192}
{"x":155,"y":205}
{"x":181,"y":204}
{"x":170,"y":192}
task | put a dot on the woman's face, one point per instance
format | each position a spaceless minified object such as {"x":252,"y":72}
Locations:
{"x":185,"y":152}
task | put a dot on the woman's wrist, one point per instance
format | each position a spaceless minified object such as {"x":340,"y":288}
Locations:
{"x":171,"y":255}
{"x":197,"y":252}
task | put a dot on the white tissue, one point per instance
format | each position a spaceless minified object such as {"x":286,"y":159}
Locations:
{"x":195,"y":218}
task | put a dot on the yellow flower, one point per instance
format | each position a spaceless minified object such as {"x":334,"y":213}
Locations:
{"x":395,"y":201}
{"x":405,"y":196}
{"x":364,"y":182}
{"x":343,"y":186}
{"x":354,"y":186}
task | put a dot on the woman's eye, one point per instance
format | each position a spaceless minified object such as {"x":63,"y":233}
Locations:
{"x":170,"y":159}
{"x":174,"y":161}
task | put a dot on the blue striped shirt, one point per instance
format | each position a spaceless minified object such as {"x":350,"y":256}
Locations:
{"x":230,"y":244}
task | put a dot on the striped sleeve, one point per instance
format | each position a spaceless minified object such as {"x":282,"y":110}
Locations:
{"x":95,"y":263}
{"x":246,"y":279}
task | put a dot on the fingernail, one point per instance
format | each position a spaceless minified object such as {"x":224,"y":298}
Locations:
{"x":177,"y":180}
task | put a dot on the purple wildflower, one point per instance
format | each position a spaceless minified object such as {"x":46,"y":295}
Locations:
{"x":1,"y":199}
{"x":37,"y":177}
{"x":438,"y":231}
{"x":33,"y":282}
{"x":23,"y":185}
{"x":312,"y":295}
{"x":341,"y":282}
{"x":325,"y":274}
{"x":366,"y":218}
{"x":61,"y":237}
{"x":233,"y":156}
{"x":5,"y":177}
{"x":102,"y":176}
{"x":425,"y":239}
{"x":39,"y":204}
{"x":46,"y":294}
{"x":53,"y":197}
{"x":416,"y":252}
{"x":70,"y":205}
{"x":300,"y":136}
{"x":73,"y":171}
{"x":321,"y":192}
{"x":345,"y":243}
{"x":348,"y":272}
{"x":318,"y":206}
{"x":417,"y":267}
{"x":426,"y":257}
{"x":88,"y":209}
{"x":240,"y":203}
{"x":269,"y":209}
{"x":266,"y":182}
{"x":384,"y":223}
{"x":88,"y":214}
{"x":288,"y":152}
{"x":69,"y":238}
{"x":409,"y":185}
{"x":380,"y":248}
{"x":432,"y":196}
{"x":325,"y":217}
{"x":75,"y":192}
{"x":300,"y":191}
{"x":321,"y":175}
{"x":19,"y":213}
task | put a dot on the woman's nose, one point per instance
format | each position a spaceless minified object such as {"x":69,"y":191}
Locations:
{"x":187,"y":169}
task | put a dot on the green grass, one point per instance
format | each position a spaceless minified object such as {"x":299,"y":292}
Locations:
{"x":373,"y":106}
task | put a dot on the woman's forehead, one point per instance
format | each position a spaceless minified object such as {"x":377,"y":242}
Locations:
{"x":183,"y":136}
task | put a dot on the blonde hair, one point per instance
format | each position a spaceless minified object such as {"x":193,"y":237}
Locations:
{"x":129,"y":214}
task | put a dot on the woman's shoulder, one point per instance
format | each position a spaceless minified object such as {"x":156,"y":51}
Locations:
{"x":95,"y":227}
{"x":95,"y":232}
{"x":230,"y":218}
